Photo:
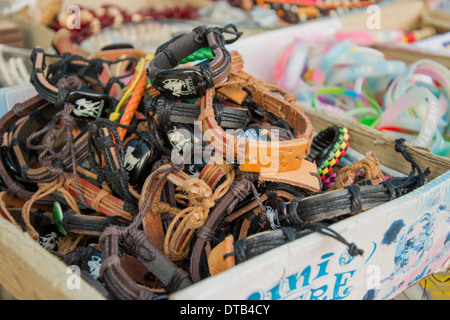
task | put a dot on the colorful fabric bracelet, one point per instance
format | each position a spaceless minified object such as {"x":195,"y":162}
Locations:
{"x":327,"y":148}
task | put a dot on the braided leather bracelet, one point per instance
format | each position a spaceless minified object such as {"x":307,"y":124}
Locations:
{"x":327,"y":147}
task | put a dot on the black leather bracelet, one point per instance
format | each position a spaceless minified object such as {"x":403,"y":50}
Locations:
{"x":351,"y":200}
{"x":71,"y":222}
{"x":227,"y":115}
{"x":192,"y":82}
{"x":259,"y":243}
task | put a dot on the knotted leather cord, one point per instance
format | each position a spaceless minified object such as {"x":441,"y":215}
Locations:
{"x":194,"y":216}
{"x":202,"y":32}
{"x":369,"y":167}
{"x":139,"y":245}
{"x":152,"y":136}
{"x":47,"y":156}
{"x":45,"y":189}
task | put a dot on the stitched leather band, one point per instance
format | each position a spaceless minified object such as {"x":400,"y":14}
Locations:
{"x":191,"y":82}
{"x":228,"y":115}
{"x":258,"y":156}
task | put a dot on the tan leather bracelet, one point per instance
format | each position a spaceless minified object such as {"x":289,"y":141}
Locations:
{"x":282,"y":161}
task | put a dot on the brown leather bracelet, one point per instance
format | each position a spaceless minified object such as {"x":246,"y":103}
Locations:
{"x":227,"y":211}
{"x":118,"y":282}
{"x":18,"y":111}
{"x":238,"y":192}
{"x":285,"y":158}
{"x":291,"y":152}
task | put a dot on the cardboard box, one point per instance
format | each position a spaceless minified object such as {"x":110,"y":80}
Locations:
{"x":403,"y":240}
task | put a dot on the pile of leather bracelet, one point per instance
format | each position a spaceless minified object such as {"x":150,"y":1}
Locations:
{"x":358,"y":82}
{"x":152,"y":175}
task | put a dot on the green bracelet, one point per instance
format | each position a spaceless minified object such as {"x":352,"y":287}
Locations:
{"x":200,"y":54}
{"x":369,"y":116}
